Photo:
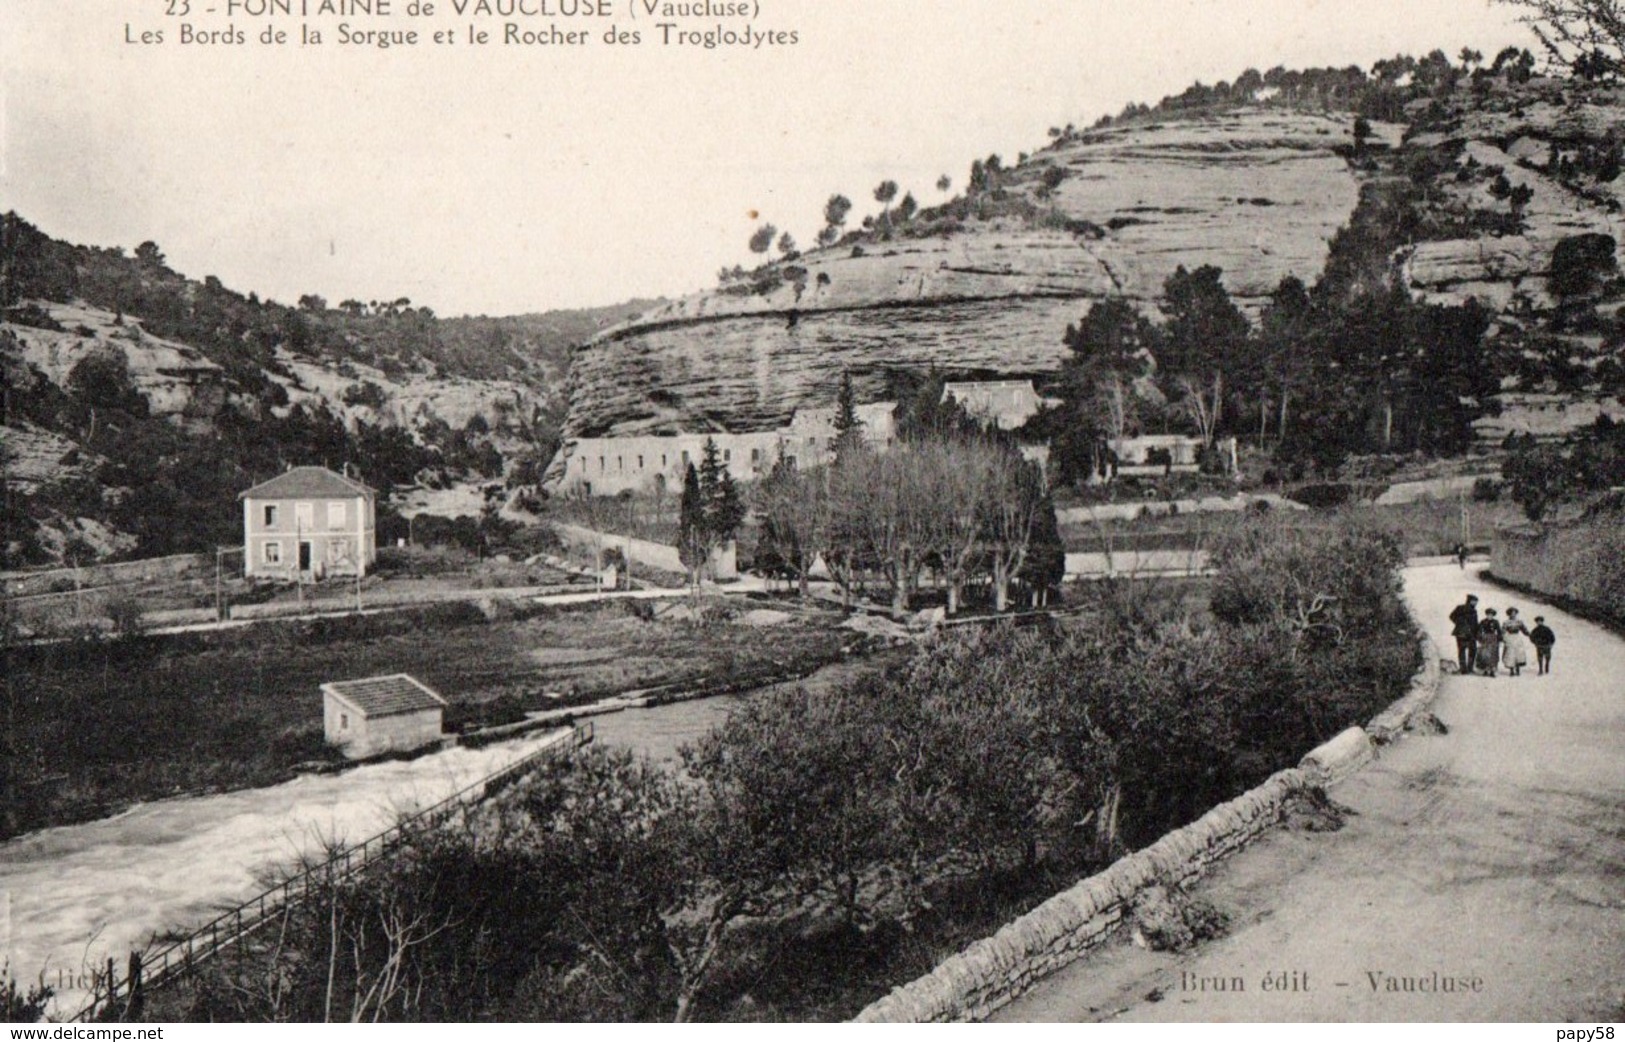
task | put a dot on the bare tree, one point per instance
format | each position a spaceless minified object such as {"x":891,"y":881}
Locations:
{"x":1586,"y":37}
{"x":1010,"y":515}
{"x":1202,"y":404}
{"x":793,"y":507}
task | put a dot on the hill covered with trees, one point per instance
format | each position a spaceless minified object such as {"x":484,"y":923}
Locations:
{"x":138,"y":402}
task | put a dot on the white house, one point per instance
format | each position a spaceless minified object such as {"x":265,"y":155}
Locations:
{"x":1007,"y":404}
{"x":381,"y":714}
{"x":306,"y":523}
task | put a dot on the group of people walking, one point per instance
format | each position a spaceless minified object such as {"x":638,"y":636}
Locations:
{"x":1484,"y":645}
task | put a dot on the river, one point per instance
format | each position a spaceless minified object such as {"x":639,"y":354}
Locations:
{"x":72,"y":896}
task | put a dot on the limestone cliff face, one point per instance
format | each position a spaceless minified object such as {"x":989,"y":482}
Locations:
{"x":176,"y":379}
{"x":1524,"y":137}
{"x":1258,"y":193}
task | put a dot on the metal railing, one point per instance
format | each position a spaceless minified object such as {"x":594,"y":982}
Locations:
{"x":178,"y":958}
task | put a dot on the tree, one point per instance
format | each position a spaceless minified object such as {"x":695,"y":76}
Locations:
{"x":709,"y":513}
{"x":1587,"y":37}
{"x":1204,"y":336}
{"x":148,"y":255}
{"x":761,"y":240}
{"x":693,"y":548}
{"x":1045,"y":566}
{"x":724,"y":509}
{"x":1580,"y":262}
{"x":885,"y":192}
{"x":907,"y":208}
{"x":928,"y":412}
{"x":102,"y":379}
{"x":1110,"y":348}
{"x":835,"y":214}
{"x":848,"y":428}
{"x":944,"y":183}
{"x":793,"y":508}
{"x":836,"y":210}
{"x":1283,"y":331}
{"x":1010,"y":507}
{"x":787,"y":246}
{"x":1470,"y":57}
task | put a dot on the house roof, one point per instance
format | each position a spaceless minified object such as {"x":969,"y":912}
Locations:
{"x":308,"y":483}
{"x":385,"y":696}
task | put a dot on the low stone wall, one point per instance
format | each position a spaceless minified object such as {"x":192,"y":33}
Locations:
{"x":993,"y":971}
{"x":1391,"y":722}
{"x":997,"y":969}
{"x":641,"y":551}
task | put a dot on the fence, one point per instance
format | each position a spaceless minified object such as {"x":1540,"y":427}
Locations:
{"x":179,"y":958}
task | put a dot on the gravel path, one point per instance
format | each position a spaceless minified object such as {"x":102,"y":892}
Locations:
{"x":1482,"y":876}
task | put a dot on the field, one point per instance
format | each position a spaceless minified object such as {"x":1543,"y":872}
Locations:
{"x":95,"y":600}
{"x":100,"y":724}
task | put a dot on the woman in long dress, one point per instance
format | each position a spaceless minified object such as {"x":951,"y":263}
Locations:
{"x":1489,"y":644}
{"x":1515,"y":643}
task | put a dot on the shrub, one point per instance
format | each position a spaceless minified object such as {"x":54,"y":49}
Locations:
{"x":123,"y":609}
{"x":23,"y":1007}
{"x":1323,"y":496}
{"x":1579,"y":262}
{"x":1486,"y":490}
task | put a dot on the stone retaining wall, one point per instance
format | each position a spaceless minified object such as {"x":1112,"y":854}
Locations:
{"x":995,"y":970}
{"x":1582,"y":560}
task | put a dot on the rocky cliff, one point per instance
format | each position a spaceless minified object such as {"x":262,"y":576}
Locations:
{"x":1257,"y":192}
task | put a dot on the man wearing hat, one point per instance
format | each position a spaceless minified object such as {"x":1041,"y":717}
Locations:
{"x":1464,"y":627}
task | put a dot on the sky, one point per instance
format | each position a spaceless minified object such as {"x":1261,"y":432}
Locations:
{"x":514,"y":178}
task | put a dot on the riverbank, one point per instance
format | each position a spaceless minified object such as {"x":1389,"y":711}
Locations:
{"x":102,"y":725}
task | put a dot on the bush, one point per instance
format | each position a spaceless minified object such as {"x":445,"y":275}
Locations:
{"x":23,"y":1007}
{"x":1323,"y":496}
{"x":1579,"y":262}
{"x":123,"y":609}
{"x":1486,"y":490}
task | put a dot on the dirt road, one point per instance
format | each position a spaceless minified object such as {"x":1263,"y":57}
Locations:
{"x":1482,"y":876}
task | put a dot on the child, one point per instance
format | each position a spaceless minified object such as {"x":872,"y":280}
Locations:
{"x":1489,"y":643}
{"x":1542,"y":638}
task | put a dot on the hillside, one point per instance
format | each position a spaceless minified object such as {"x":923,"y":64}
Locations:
{"x":1264,"y":179}
{"x":138,"y":401}
{"x":1256,"y":192}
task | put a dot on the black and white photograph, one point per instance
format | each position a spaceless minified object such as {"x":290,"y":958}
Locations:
{"x":812,"y":511}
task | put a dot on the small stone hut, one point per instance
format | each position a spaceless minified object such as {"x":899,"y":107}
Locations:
{"x":377,"y":715}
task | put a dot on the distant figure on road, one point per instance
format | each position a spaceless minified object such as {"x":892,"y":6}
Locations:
{"x":1464,"y":627}
{"x":1514,"y":643}
{"x":1461,"y":556}
{"x":1489,"y":643}
{"x":1542,"y":638}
